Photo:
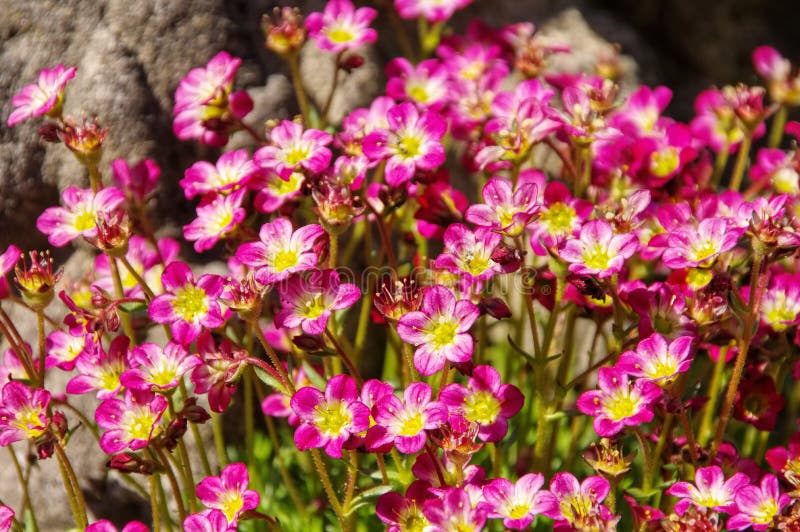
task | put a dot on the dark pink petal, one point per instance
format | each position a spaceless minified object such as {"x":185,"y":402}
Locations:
{"x":307,"y":436}
{"x":305,"y":401}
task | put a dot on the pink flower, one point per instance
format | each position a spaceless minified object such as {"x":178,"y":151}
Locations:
{"x":78,"y":216}
{"x":279,"y":404}
{"x":598,"y":251}
{"x":412,"y":142}
{"x":758,"y":505}
{"x":293,"y":149}
{"x":425,"y":84}
{"x":189,"y":305}
{"x":272,"y":191}
{"x":404,"y":513}
{"x":618,"y":403}
{"x":784,"y":88}
{"x":440,"y":330}
{"x":485,"y":401}
{"x":6,"y":518}
{"x":505,"y":208}
{"x":104,"y":525}
{"x":8,"y":259}
{"x":216,"y":219}
{"x":432,"y":11}
{"x":23,"y":413}
{"x":405,"y":422}
{"x":228,"y":492}
{"x":576,"y":503}
{"x":204,"y":97}
{"x":12,"y":369}
{"x":233,"y":170}
{"x":44,"y":97}
{"x":156,"y":368}
{"x":216,"y":375}
{"x":698,"y":247}
{"x":309,"y":300}
{"x":779,"y":168}
{"x":138,"y":181}
{"x":329,"y":419}
{"x":208,"y":521}
{"x":454,"y":512}
{"x":641,"y":113}
{"x":470,"y":253}
{"x":63,"y":349}
{"x":130,"y":422}
{"x":710,"y":490}
{"x":780,"y":304}
{"x":341,"y":27}
{"x":516,"y":504}
{"x":560,"y":217}
{"x":98,"y":370}
{"x":656,"y":360}
{"x":280,"y":251}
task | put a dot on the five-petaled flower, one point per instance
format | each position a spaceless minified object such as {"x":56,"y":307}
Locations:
{"x":711,"y":490}
{"x":228,"y":492}
{"x":131,"y":422}
{"x":405,"y":421}
{"x":341,"y":27}
{"x":43,"y":97}
{"x":23,"y":412}
{"x":309,"y":300}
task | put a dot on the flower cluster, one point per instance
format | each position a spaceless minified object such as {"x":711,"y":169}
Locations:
{"x":438,"y":301}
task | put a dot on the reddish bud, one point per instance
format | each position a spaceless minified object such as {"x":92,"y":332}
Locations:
{"x":509,"y":257}
{"x":309,"y":342}
{"x":494,"y":307}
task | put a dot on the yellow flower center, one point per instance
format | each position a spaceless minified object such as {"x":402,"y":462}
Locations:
{"x":285,"y":259}
{"x":108,"y":379}
{"x":777,"y":311}
{"x":190,"y":303}
{"x":332,"y":418}
{"x":596,"y":257}
{"x":412,"y":425}
{"x":443,"y":333}
{"x":84,"y":221}
{"x":413,"y":521}
{"x":28,"y":421}
{"x":664,"y":162}
{"x":314,"y":307}
{"x":281,"y":187}
{"x":409,"y":146}
{"x":481,"y":407}
{"x":518,"y":511}
{"x":417,"y":93}
{"x":230,"y":503}
{"x":296,"y":154}
{"x":766,"y":512}
{"x":138,"y":423}
{"x":340,"y":35}
{"x":558,"y":218}
{"x":620,"y":406}
{"x":702,"y":251}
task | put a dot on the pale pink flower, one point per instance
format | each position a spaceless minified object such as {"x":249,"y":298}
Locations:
{"x":43,"y":97}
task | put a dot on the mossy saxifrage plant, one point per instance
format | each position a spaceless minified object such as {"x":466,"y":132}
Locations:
{"x":626,"y":287}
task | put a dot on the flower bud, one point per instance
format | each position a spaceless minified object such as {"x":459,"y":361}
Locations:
{"x":84,"y":140}
{"x":194,"y":412}
{"x":36,"y":282}
{"x":285,"y":30}
{"x":309,"y":342}
{"x":494,"y":307}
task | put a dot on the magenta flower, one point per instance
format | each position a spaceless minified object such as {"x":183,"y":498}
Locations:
{"x":618,"y":403}
{"x":216,"y":219}
{"x":780,"y":304}
{"x":208,"y":521}
{"x":63,"y":349}
{"x":8,"y":259}
{"x":279,"y":404}
{"x":710,"y":490}
{"x":293,"y":149}
{"x":404,"y":513}
{"x":783,"y":86}
{"x":100,"y":371}
{"x":560,"y":217}
{"x":272,"y":191}
{"x":216,"y":374}
{"x":204,"y":96}
{"x":504,"y":208}
{"x":44,"y":97}
{"x":233,"y":170}
{"x":436,"y":11}
{"x":758,"y":505}
{"x":12,"y":369}
{"x":412,"y":142}
{"x":778,"y":168}
{"x":23,"y":413}
{"x":130,"y":422}
{"x":104,"y":525}
{"x":516,"y":504}
{"x":598,"y":251}
{"x":189,"y":305}
{"x":425,"y":84}
{"x":576,"y":503}
{"x":656,"y":360}
{"x":440,"y":330}
{"x":454,"y":512}
{"x":6,"y":518}
{"x":341,"y":27}
{"x":228,"y":492}
{"x":485,"y":401}
{"x":470,"y":253}
{"x":281,"y":252}
{"x":156,"y":368}
{"x":641,"y":113}
{"x":309,"y":300}
{"x":698,"y":247}
{"x":404,"y":422}
{"x":77,"y":217}
{"x":329,"y":419}
{"x":138,"y":181}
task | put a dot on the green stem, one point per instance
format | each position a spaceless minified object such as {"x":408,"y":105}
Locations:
{"x":352,"y":477}
{"x":741,"y":163}
{"x":23,"y":482}
{"x":648,"y":459}
{"x":284,"y":472}
{"x":219,"y":439}
{"x":42,"y":349}
{"x":173,"y":482}
{"x":778,"y":125}
{"x":154,"y":503}
{"x":124,"y":317}
{"x":326,"y":484}
{"x":73,"y":488}
{"x":139,"y":279}
{"x":95,"y":179}
{"x":346,"y":359}
{"x":249,"y":417}
{"x":665,"y":436}
{"x":287,"y":382}
{"x":756,"y":280}
{"x":713,"y":391}
{"x":720,"y":162}
{"x":299,"y":90}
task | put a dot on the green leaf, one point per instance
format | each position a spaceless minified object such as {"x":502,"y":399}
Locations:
{"x":363,"y":498}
